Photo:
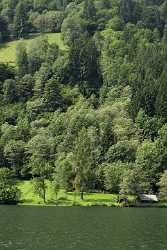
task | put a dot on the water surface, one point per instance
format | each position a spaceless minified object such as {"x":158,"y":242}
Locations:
{"x":80,"y":228}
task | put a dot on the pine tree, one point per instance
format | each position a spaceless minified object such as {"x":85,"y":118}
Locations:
{"x":52,"y":96}
{"x":84,"y":65}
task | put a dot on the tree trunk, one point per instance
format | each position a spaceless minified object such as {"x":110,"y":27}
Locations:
{"x":82,"y":195}
{"x":44,"y":192}
{"x":44,"y":196}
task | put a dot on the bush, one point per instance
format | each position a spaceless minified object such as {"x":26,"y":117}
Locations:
{"x":9,"y":193}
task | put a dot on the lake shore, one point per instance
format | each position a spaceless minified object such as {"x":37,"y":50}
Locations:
{"x":118,"y":205}
{"x":70,"y":199}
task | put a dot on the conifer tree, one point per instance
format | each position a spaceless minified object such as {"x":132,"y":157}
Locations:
{"x":22,"y":59}
{"x":20,"y":20}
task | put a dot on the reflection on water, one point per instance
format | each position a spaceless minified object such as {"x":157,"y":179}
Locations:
{"x":77,"y":228}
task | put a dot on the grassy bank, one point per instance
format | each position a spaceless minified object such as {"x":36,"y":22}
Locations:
{"x":72,"y":199}
{"x":8,"y":50}
{"x":65,"y":198}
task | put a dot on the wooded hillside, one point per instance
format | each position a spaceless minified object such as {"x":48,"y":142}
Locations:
{"x":90,"y":117}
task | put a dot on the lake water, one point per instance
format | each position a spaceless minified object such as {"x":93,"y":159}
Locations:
{"x":79,"y":228}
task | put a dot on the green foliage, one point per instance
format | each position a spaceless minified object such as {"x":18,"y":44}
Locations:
{"x":151,"y":68}
{"x":124,"y":151}
{"x":4,"y":33}
{"x":113,"y":175}
{"x":6,"y":72}
{"x":89,"y":115}
{"x":40,"y":187}
{"x":20,"y":20}
{"x":41,"y":147}
{"x":25,"y":86}
{"x":52,"y":95}
{"x":85,"y":157}
{"x":22,"y":59}
{"x":134,"y":183}
{"x":163,"y":186}
{"x":14,"y":152}
{"x":36,"y":53}
{"x":71,"y":29}
{"x":161,"y":99}
{"x":50,"y":21}
{"x":83,"y":65}
{"x":89,"y":11}
{"x":162,"y":145}
{"x":148,"y":160}
{"x":64,"y":175}
{"x":129,"y":10}
{"x":8,"y":190}
{"x":163,"y":10}
{"x":148,"y":126}
{"x":9,"y":91}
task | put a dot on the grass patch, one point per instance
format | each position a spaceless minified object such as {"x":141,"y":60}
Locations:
{"x":56,"y":38}
{"x":8,"y":50}
{"x":65,"y":198}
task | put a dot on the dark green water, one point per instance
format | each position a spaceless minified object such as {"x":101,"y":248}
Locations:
{"x":77,"y":228}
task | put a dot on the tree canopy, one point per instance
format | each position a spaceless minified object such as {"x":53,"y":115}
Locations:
{"x":91,"y":117}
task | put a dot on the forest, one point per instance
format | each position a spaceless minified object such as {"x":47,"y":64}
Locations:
{"x":91,"y":117}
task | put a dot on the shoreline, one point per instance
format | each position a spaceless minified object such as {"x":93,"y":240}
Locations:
{"x":139,"y":205}
{"x":71,"y":199}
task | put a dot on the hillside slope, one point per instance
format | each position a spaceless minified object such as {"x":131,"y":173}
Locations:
{"x":8,"y":49}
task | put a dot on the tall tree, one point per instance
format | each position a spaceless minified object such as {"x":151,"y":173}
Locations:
{"x":14,"y":153}
{"x":41,"y":150}
{"x":84,"y":65}
{"x":9,"y":91}
{"x":25,"y":86}
{"x":52,"y":96}
{"x":85,"y":157}
{"x":22,"y":59}
{"x":21,"y":20}
{"x":161,"y":98}
{"x":134,"y":183}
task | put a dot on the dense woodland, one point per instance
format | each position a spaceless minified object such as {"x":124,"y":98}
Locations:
{"x":94,"y":116}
